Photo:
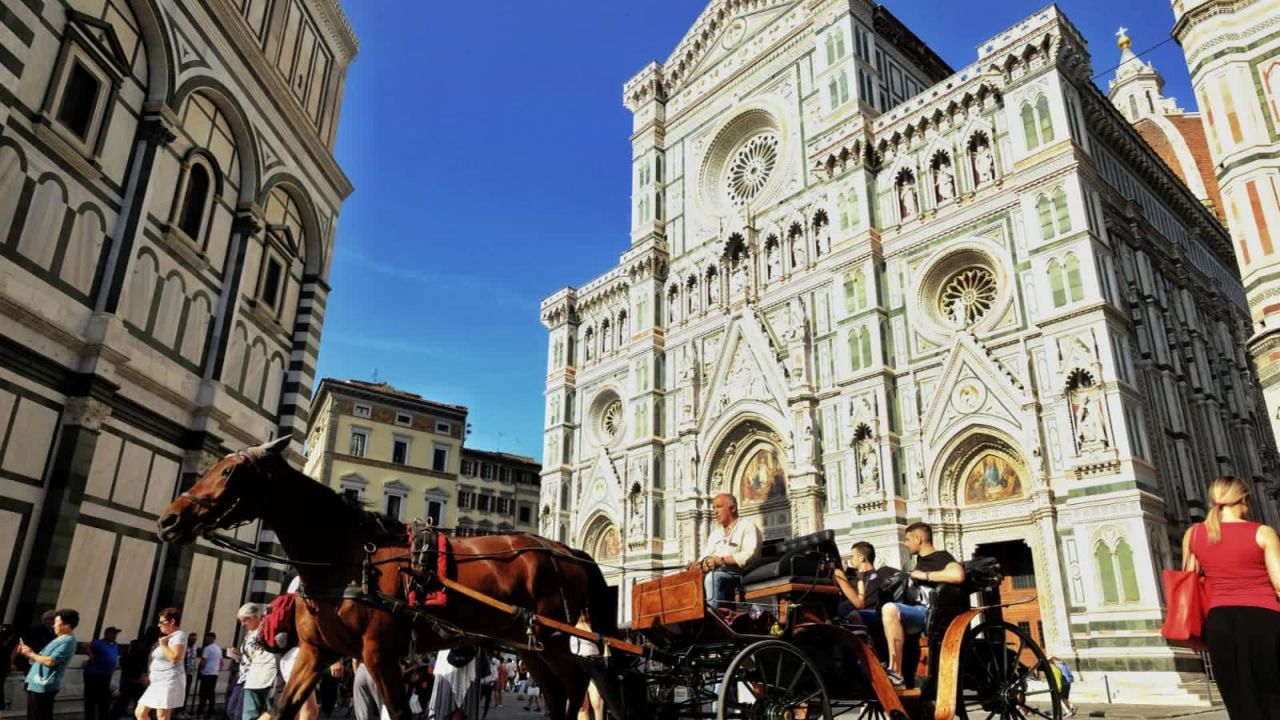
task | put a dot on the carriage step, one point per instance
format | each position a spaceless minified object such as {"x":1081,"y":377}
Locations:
{"x":908,"y":692}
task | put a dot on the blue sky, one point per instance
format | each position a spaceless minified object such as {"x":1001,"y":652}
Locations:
{"x":489,"y":150}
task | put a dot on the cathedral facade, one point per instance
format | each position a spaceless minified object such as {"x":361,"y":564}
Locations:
{"x":865,"y":289}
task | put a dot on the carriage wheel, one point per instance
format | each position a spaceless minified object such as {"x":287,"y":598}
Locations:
{"x":772,"y":680}
{"x":1004,"y":674}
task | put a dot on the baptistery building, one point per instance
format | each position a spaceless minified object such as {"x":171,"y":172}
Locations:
{"x":169,"y":201}
{"x":864,"y":288}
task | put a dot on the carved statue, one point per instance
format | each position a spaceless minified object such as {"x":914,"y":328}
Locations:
{"x":946,"y":182}
{"x":959,"y":313}
{"x":635,"y":526}
{"x":870,"y":461}
{"x":910,"y":204}
{"x":673,"y":308}
{"x":740,"y":277}
{"x":984,"y":163}
{"x":798,"y":252}
{"x":691,"y":296}
{"x":774,"y":260}
{"x":1089,"y":426}
{"x":713,"y":289}
{"x":917,"y":484}
{"x":798,"y":328}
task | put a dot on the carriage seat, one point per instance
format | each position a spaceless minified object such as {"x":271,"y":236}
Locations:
{"x":806,"y":559}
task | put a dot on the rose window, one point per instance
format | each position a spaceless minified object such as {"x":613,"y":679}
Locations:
{"x":751,"y":167}
{"x":611,"y":420}
{"x":967,"y":296}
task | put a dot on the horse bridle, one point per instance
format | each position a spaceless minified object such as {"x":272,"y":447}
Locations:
{"x":204,"y":527}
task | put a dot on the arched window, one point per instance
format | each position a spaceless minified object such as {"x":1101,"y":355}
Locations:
{"x":644,"y":209}
{"x":1046,"y":120}
{"x":1045,"y":212}
{"x":850,"y":293}
{"x":657,"y":206}
{"x":844,"y":211}
{"x":1029,"y":127}
{"x":195,"y":199}
{"x":1060,"y":211}
{"x":855,"y":354}
{"x":1133,"y":109}
{"x":1056,"y":285}
{"x":1128,"y":578}
{"x":1106,"y":573}
{"x":864,"y":343}
{"x":1075,"y":287}
{"x":851,"y":207}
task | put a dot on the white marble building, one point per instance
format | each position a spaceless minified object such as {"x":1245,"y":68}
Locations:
{"x":864,"y":289}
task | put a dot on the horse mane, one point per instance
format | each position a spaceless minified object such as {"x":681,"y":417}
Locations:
{"x":353,"y":513}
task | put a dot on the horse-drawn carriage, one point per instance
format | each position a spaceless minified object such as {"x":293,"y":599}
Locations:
{"x":785,"y":654}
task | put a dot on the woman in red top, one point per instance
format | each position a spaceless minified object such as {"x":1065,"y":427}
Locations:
{"x":1241,"y":564}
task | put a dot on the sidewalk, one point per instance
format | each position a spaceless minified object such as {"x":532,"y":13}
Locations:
{"x":1149,"y":712}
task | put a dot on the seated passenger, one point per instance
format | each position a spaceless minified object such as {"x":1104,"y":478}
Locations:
{"x":862,"y":597}
{"x":732,"y":546}
{"x":933,"y":567}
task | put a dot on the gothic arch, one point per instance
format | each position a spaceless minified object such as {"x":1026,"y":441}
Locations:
{"x":952,"y":464}
{"x":313,"y":243}
{"x":745,"y":419}
{"x":598,"y":534}
{"x":241,"y":129}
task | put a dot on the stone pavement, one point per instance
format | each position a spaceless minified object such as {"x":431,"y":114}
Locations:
{"x":515,"y":711}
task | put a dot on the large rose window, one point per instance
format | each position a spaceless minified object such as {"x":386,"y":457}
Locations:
{"x":751,"y":167}
{"x":611,"y":421}
{"x":967,"y":296}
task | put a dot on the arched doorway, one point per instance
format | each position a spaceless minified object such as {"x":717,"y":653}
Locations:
{"x":986,"y":487}
{"x":751,"y":464}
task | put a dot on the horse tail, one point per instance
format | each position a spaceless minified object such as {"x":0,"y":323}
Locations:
{"x":600,"y":598}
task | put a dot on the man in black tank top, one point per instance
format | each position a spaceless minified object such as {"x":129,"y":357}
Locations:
{"x":933,"y":567}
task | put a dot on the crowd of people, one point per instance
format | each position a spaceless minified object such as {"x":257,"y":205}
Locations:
{"x":165,"y":671}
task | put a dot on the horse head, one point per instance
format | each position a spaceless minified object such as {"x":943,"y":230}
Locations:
{"x":224,"y":496}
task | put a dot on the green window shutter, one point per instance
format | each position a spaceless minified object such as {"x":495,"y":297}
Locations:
{"x":1029,"y":127}
{"x":1055,"y":284}
{"x":1061,"y":211}
{"x":1106,"y":573}
{"x":1074,"y":284}
{"x":1128,"y":578}
{"x":1046,"y":217}
{"x":1046,"y":120}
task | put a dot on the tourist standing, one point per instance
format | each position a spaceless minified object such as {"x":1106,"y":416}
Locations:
{"x":133,"y":672}
{"x":166,"y":674}
{"x":504,"y":676}
{"x":104,"y":657}
{"x":210,"y":666}
{"x":257,"y":664}
{"x":48,"y":666}
{"x":1241,"y":564}
{"x":1062,"y":673}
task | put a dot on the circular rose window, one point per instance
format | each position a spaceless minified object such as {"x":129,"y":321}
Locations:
{"x":751,"y":167}
{"x":967,"y":296}
{"x":611,"y":421}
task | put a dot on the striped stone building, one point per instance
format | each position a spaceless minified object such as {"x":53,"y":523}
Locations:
{"x":168,"y":203}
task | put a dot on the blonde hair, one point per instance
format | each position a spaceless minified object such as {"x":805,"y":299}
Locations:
{"x":1224,"y":491}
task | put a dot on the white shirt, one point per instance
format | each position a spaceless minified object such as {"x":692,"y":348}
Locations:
{"x":257,"y":664}
{"x":741,"y":540}
{"x":212,"y":659}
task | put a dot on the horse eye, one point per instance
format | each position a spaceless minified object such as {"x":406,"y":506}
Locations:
{"x":226,"y":471}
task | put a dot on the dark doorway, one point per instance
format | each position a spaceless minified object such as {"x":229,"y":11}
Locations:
{"x":1018,"y":586}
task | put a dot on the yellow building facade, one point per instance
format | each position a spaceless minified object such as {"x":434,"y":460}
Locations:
{"x":394,"y":450}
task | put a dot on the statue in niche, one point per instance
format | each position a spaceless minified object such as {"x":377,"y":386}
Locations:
{"x":804,"y":452}
{"x":869,"y":462}
{"x":910,"y":203}
{"x":798,"y":253}
{"x":673,"y":308}
{"x":691,"y":295}
{"x":984,"y":163}
{"x":917,"y":484}
{"x":740,"y":276}
{"x":635,"y":525}
{"x":798,"y":328}
{"x":1090,"y":431}
{"x":946,"y":182}
{"x":773,"y":259}
{"x":713,"y":289}
{"x":688,"y":378}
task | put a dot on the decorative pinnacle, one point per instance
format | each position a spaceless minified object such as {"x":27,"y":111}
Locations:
{"x":1123,"y":41}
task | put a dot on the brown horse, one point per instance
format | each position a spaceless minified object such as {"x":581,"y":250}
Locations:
{"x":326,"y":537}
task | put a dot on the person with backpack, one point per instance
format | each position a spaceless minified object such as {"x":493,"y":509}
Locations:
{"x":1062,"y":675}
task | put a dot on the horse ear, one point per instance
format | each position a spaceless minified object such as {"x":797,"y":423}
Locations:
{"x":277,"y":446}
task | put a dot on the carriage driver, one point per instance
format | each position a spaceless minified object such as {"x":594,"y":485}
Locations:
{"x":933,"y":567}
{"x":732,"y":546}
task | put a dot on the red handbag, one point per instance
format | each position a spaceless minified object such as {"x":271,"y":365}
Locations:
{"x":1187,"y":600}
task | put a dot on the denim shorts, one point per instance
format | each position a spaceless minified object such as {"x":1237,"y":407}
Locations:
{"x":913,"y":617}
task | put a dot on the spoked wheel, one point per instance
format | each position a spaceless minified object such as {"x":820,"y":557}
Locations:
{"x":1004,"y":674}
{"x":772,"y":680}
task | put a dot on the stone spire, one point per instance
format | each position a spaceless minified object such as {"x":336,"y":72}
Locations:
{"x":1137,"y":89}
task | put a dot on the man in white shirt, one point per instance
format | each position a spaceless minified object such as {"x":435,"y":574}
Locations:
{"x":731,"y":547}
{"x":210,"y":664}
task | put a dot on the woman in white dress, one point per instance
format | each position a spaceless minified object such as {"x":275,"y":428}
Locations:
{"x":167,"y":688}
